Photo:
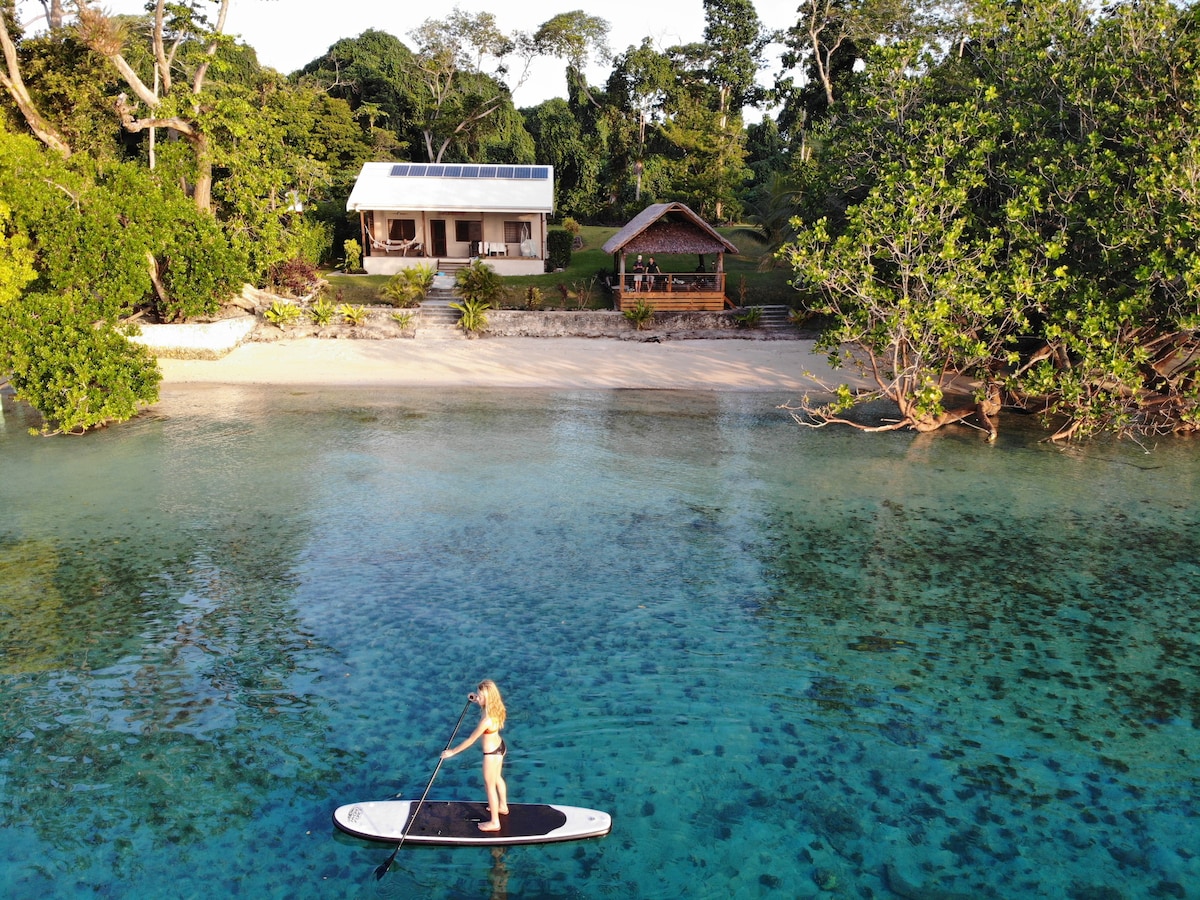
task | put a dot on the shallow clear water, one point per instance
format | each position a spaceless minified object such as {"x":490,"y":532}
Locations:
{"x":783,"y":659}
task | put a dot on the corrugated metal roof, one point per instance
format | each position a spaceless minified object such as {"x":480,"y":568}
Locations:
{"x":469,"y":188}
{"x":680,"y":215}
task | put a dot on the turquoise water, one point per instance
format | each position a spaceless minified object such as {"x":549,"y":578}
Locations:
{"x":791,"y":663}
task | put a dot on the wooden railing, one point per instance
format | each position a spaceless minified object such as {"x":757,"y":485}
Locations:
{"x":675,"y":283}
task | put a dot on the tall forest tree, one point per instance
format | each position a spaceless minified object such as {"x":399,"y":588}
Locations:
{"x":179,"y":32}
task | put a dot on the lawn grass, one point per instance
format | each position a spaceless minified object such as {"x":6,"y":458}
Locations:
{"x":744,"y":283}
{"x":357,"y":290}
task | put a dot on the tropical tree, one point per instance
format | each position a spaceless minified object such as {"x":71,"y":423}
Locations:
{"x":461,"y":61}
{"x":576,"y":155}
{"x":574,"y":37}
{"x":74,"y":272}
{"x":736,"y":42}
{"x":916,"y":282}
{"x":1020,"y":215}
{"x":180,"y":33}
{"x":376,"y":74}
{"x":1104,"y":180}
{"x":13,"y":82}
{"x":639,"y":92}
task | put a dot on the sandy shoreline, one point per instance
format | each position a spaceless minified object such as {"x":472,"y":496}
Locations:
{"x":598,"y":363}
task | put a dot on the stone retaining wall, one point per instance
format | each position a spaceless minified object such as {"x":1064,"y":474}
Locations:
{"x":608,"y":324}
{"x":216,"y":339}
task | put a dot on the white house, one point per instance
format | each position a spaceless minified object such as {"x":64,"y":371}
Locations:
{"x":414,"y":213}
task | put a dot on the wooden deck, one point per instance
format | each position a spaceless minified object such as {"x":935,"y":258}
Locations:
{"x":673,"y":292}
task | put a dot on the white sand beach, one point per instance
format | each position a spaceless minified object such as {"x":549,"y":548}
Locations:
{"x":596,"y":363}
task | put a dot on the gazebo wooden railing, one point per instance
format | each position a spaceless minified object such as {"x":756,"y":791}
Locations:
{"x":672,"y":291}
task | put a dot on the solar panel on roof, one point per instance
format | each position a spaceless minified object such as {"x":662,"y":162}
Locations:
{"x":516,"y":173}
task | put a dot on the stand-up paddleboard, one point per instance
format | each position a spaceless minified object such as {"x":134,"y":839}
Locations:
{"x":457,"y":822}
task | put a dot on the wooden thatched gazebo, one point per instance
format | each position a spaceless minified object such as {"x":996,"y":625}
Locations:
{"x":669,"y":229}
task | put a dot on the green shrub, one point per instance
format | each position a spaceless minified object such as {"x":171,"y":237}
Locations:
{"x":404,"y":319}
{"x":353,"y":315}
{"x":283,"y":313}
{"x":641,"y":314}
{"x":749,"y":317}
{"x":322,"y":311}
{"x":474,"y":315}
{"x":479,"y":282}
{"x":77,"y":372}
{"x":558,"y":248}
{"x":200,"y":269}
{"x":353,"y":252}
{"x":408,"y":287}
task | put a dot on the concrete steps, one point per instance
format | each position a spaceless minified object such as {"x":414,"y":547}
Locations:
{"x":437,"y":321}
{"x":775,"y":318}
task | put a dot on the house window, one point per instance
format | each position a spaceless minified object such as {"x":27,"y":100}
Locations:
{"x":468,"y":231}
{"x":516,"y":232}
{"x":402,"y":229}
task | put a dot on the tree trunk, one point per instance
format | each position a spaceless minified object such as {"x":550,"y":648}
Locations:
{"x":54,"y":14}
{"x":14,"y":84}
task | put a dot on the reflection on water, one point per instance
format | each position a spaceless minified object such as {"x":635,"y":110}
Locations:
{"x":791,"y":663}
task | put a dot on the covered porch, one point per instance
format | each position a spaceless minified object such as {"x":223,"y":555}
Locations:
{"x":513,"y":244}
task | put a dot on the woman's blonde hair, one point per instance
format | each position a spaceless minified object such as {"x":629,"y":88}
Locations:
{"x":493,"y":703}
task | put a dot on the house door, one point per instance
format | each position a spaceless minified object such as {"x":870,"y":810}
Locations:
{"x":437,"y":236}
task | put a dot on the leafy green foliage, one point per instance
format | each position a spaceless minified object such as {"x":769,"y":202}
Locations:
{"x":474,"y":315}
{"x":322,"y":311}
{"x":281,"y":313}
{"x":478,"y":282}
{"x":1018,"y":216}
{"x":78,"y":373}
{"x":16,"y":259}
{"x":750,"y":317}
{"x":559,"y":247}
{"x":640,"y":314}
{"x":101,"y":241}
{"x":409,"y":286}
{"x":353,"y":314}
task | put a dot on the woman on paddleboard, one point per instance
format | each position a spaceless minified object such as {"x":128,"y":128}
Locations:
{"x":494,"y":750}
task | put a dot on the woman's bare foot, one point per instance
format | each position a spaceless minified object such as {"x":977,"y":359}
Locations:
{"x":504,"y":811}
{"x":488,"y":826}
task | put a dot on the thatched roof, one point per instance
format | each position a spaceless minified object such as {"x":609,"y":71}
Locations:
{"x":668,"y":228}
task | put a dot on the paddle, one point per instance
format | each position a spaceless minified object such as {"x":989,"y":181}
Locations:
{"x":383,"y":869}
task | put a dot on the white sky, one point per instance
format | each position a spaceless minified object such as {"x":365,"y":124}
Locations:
{"x":288,"y":34}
